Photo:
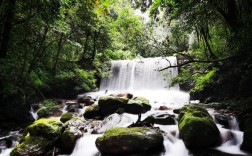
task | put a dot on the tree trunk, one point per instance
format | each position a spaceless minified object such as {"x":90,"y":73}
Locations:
{"x":58,"y":54}
{"x":6,"y":27}
{"x":85,"y":47}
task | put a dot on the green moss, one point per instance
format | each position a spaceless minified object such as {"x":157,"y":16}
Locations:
{"x":193,"y":110}
{"x":197,"y":128}
{"x":111,"y":99}
{"x":32,"y":145}
{"x":66,"y":116}
{"x":92,"y":112}
{"x":121,"y":140}
{"x":45,"y":127}
{"x":48,"y":106}
{"x":109,"y":105}
{"x":92,"y":108}
{"x":120,"y":131}
{"x":138,"y":105}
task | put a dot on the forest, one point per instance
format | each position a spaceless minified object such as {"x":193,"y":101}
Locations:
{"x":57,"y":49}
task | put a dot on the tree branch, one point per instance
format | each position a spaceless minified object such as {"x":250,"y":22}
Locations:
{"x":196,"y":61}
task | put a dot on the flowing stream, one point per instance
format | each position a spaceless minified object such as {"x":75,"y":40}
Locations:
{"x":141,"y":77}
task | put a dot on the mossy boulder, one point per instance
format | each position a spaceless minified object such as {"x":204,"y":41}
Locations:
{"x":32,"y":146}
{"x":92,"y":112}
{"x":45,"y":127}
{"x":49,"y":108}
{"x":121,"y":140}
{"x":66,"y":116}
{"x":68,"y":140}
{"x":197,"y":128}
{"x":38,"y":138}
{"x":137,"y":105}
{"x":246,"y":126}
{"x":109,"y":104}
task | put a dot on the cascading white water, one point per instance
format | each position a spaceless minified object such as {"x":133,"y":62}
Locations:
{"x":140,"y":74}
{"x":142,"y":77}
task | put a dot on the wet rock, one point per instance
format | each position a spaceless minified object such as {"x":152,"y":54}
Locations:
{"x":73,"y":107}
{"x":197,"y":128}
{"x":66,"y":116}
{"x":33,"y":145}
{"x":164,"y":108}
{"x":176,"y":111}
{"x":222,"y":119}
{"x":109,"y":105}
{"x":93,"y":112}
{"x":165,"y":119}
{"x":121,"y":140}
{"x":57,"y":113}
{"x":72,"y":131}
{"x":246,"y":126}
{"x":86,"y":100}
{"x":137,"y":105}
{"x":124,"y":95}
{"x":68,"y":139}
{"x":227,"y":136}
{"x":76,"y":123}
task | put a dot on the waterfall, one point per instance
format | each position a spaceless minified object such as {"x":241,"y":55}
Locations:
{"x":140,"y":74}
{"x":142,"y":77}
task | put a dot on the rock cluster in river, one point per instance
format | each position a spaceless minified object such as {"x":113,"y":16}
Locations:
{"x":108,"y":105}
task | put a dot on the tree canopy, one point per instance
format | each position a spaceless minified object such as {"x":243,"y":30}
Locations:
{"x":58,"y":48}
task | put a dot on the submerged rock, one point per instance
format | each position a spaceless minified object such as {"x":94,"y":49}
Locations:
{"x":197,"y":128}
{"x":222,"y":119}
{"x":109,"y":105}
{"x":121,"y":140}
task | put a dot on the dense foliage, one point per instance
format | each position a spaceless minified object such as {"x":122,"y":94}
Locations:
{"x":57,"y":48}
{"x":212,"y":41}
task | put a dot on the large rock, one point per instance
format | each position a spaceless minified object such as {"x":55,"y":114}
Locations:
{"x":121,"y":140}
{"x":68,"y":139}
{"x":137,"y":105}
{"x":246,"y":126}
{"x":93,"y":112}
{"x":38,"y":138}
{"x":165,"y":119}
{"x":49,"y":128}
{"x":197,"y":128}
{"x":33,"y":146}
{"x":245,"y":123}
{"x":87,"y":100}
{"x":72,"y":132}
{"x":109,"y":105}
